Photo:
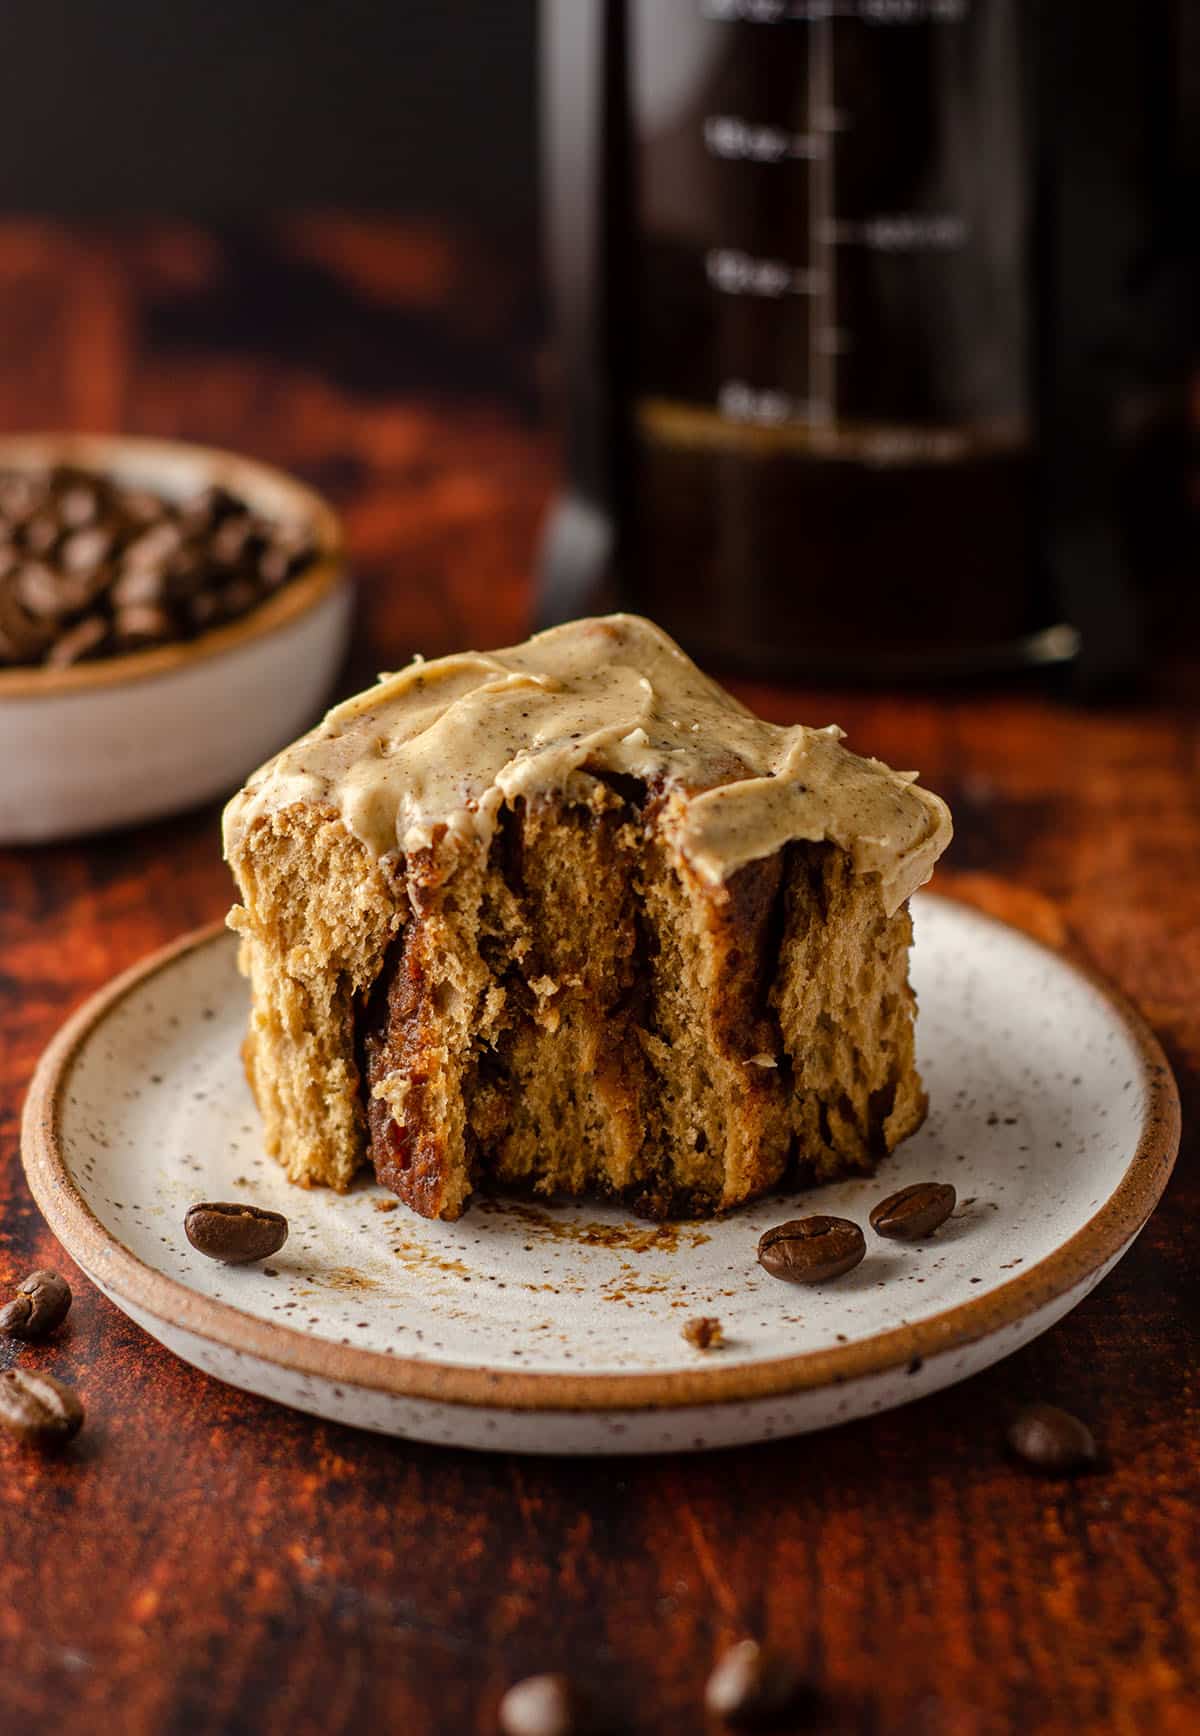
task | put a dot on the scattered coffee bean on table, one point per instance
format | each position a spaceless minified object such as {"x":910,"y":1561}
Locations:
{"x":752,"y":1686}
{"x":811,"y":1250}
{"x":704,"y":1333}
{"x":237,"y":1234}
{"x":38,"y":1409}
{"x":40,"y":1304}
{"x":1051,"y":1439}
{"x":914,"y":1211}
{"x":542,"y":1706}
{"x":91,"y":568}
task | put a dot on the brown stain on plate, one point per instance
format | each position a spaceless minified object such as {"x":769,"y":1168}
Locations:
{"x":630,"y":1282}
{"x":635,"y":1238}
{"x":419,"y":1259}
{"x":339,"y":1278}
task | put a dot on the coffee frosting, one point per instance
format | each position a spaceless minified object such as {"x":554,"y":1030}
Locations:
{"x":446,"y":744}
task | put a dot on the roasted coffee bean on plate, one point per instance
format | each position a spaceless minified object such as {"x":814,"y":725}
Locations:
{"x":237,"y":1234}
{"x":91,"y":568}
{"x":37,"y":1409}
{"x":547,"y":1705}
{"x":914,"y":1211}
{"x":1052,"y":1439}
{"x":40,"y":1304}
{"x":811,"y":1250}
{"x":751,"y":1686}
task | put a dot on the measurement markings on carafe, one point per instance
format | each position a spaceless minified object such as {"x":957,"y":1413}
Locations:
{"x":823,"y":334}
{"x":810,"y":11}
{"x":823,"y":274}
{"x":736,"y":273}
{"x":737,"y":139}
{"x":733,"y":271}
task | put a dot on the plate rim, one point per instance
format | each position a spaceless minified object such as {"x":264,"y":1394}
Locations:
{"x":96,"y":1249}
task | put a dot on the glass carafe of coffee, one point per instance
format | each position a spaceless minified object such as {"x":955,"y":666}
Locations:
{"x":820,"y":416}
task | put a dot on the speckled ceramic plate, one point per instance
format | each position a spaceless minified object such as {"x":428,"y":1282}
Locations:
{"x":559,"y":1329}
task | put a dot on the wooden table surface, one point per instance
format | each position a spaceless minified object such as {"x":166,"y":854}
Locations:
{"x":203,"y":1561}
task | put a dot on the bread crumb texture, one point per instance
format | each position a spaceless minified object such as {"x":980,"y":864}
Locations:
{"x":577,"y":1013}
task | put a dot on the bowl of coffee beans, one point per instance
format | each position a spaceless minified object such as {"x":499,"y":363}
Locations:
{"x":170,"y":615}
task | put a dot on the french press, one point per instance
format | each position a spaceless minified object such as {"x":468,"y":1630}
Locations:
{"x":855,"y":299}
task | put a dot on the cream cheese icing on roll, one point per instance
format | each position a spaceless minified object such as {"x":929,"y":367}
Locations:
{"x":446,"y":744}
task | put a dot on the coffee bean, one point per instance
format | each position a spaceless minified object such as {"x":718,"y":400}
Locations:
{"x":811,"y":1250}
{"x":275,"y":566}
{"x":234,"y":1233}
{"x":202,"y":610}
{"x":752,"y":1686}
{"x":1051,"y":1439}
{"x":139,"y":508}
{"x":38,"y":1409}
{"x":914,"y":1211}
{"x":15,"y":1316}
{"x":541,"y":1706}
{"x":86,"y":549}
{"x":138,"y":587}
{"x":82,"y":640}
{"x":40,"y":590}
{"x":40,"y":1304}
{"x":208,"y":508}
{"x":77,"y":505}
{"x":141,"y":623}
{"x":20,"y":497}
{"x":49,"y":594}
{"x":154,"y":547}
{"x":237,"y":597}
{"x":41,"y":533}
{"x":28,"y":637}
{"x":188,"y":572}
{"x":230,"y":539}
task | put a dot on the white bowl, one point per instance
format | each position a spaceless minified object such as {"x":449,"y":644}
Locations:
{"x":130,"y":738}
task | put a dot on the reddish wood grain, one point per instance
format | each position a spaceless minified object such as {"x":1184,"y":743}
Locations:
{"x":205,"y":1562}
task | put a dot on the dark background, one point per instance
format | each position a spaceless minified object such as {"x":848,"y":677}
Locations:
{"x":235,"y":115}
{"x":203,"y":1563}
{"x":207,"y":108}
